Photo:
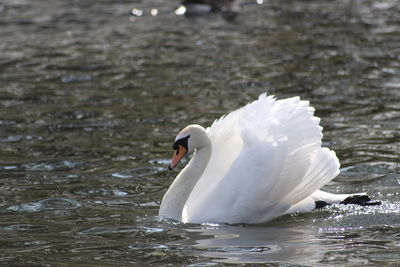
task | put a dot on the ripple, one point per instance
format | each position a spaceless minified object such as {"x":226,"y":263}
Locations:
{"x":119,"y":229}
{"x":159,"y":161}
{"x":46,"y":204}
{"x":242,"y":249}
{"x":108,"y":230}
{"x":87,"y":126}
{"x":28,"y":207}
{"x":9,"y":168}
{"x":149,"y":246}
{"x":151,"y":229}
{"x":43,"y":166}
{"x":149,"y":204}
{"x":239,"y":254}
{"x":137,"y":172}
{"x":203,"y":264}
{"x":74,"y":114}
{"x":114,"y":202}
{"x":23,"y":227}
{"x":364,"y":172}
{"x":36,"y":243}
{"x":11,"y":139}
{"x":392,"y":84}
{"x":7,"y":122}
{"x":76,"y":78}
{"x":99,"y":192}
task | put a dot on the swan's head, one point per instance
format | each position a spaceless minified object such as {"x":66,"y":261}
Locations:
{"x":190,"y":138}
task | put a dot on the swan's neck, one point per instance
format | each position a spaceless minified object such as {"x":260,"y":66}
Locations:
{"x":179,"y":191}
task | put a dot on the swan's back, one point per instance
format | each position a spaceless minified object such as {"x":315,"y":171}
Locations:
{"x":266,"y":157}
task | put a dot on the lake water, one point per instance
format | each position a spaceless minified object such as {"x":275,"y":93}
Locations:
{"x":92,"y":94}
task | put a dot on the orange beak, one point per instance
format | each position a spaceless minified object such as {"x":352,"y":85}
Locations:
{"x":178,"y":155}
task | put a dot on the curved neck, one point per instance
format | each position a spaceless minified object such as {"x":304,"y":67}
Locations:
{"x":179,"y":191}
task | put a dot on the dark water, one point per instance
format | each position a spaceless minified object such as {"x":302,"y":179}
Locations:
{"x":92,"y":96}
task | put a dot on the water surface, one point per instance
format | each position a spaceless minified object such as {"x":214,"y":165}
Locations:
{"x":92,"y":93}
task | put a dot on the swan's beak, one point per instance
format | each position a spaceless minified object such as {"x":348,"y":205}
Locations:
{"x":178,"y":155}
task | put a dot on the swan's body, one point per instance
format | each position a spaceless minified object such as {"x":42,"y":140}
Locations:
{"x":252,"y":165}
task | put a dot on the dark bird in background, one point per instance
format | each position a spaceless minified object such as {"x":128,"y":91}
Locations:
{"x":199,"y":7}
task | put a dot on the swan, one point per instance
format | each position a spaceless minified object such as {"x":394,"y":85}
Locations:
{"x":252,"y":165}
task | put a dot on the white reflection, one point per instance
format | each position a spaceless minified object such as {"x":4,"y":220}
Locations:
{"x":253,"y":244}
{"x":180,"y":10}
{"x":260,"y":2}
{"x":137,"y":12}
{"x":154,"y":12}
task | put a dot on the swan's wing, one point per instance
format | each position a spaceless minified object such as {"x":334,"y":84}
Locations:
{"x":266,"y":157}
{"x":226,"y":135}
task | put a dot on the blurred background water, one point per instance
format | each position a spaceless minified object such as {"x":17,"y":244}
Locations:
{"x":92,"y":93}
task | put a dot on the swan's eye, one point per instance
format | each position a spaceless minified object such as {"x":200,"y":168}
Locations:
{"x":182,"y":141}
{"x":175,"y":146}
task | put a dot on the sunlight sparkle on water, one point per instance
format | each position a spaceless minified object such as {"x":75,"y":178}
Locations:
{"x":154,"y":12}
{"x":137,"y":12}
{"x":180,"y":10}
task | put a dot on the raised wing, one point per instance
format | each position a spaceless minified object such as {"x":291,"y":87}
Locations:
{"x":265,"y":158}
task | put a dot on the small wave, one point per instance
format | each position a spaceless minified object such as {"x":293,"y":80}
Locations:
{"x":76,"y":78}
{"x":99,"y":192}
{"x":137,"y":172}
{"x":46,"y":204}
{"x":119,"y":229}
{"x":63,"y":165}
{"x":23,"y":227}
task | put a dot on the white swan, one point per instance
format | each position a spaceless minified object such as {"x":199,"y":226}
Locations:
{"x":252,"y":165}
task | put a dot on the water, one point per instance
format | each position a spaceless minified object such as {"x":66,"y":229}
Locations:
{"x":93,"y":93}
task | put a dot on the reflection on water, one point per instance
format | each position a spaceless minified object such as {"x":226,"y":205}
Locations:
{"x":92,"y":94}
{"x":233,"y":244}
{"x":310,"y":239}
